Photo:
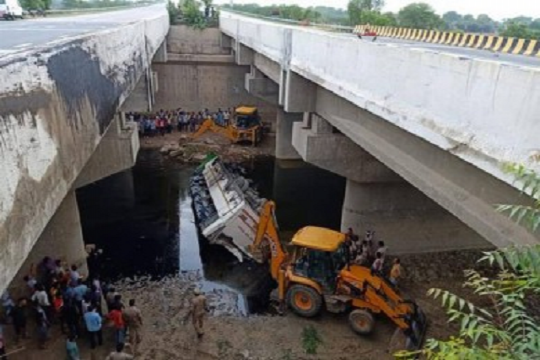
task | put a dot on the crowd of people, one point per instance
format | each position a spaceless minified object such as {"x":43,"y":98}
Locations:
{"x":164,"y":122}
{"x":58,"y":295}
{"x":366,"y":253}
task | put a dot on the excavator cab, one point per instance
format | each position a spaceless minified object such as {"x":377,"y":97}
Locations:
{"x":247,"y":124}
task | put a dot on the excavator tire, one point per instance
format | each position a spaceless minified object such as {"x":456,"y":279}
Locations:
{"x":304,"y":301}
{"x":361,"y":321}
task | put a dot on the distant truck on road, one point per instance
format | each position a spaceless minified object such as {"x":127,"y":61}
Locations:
{"x":10,"y":9}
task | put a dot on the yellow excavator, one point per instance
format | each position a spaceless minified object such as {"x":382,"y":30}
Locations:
{"x":245,"y":126}
{"x":318,"y":274}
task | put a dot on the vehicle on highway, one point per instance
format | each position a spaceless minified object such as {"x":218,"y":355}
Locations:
{"x":10,"y":9}
{"x":367,"y":35}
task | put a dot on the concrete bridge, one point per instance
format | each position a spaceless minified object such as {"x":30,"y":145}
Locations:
{"x":410,"y":129}
{"x":417,"y":133}
{"x":61,"y":125}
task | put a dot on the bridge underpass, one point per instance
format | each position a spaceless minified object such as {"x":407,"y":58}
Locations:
{"x":410,"y":129}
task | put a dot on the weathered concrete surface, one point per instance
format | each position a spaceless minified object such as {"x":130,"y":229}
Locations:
{"x":459,"y":104}
{"x":55,"y":105}
{"x":183,"y":39}
{"x":465,"y":191}
{"x":408,"y":221}
{"x":319,"y":145}
{"x":209,"y":79}
{"x":116,"y":152}
{"x":284,"y":131}
{"x":439,"y":121}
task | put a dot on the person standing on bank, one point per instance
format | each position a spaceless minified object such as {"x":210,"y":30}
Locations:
{"x":93,"y":324}
{"x":133,"y":321}
{"x":197,"y":311}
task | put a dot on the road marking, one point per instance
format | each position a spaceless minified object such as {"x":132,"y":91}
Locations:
{"x":22,"y":45}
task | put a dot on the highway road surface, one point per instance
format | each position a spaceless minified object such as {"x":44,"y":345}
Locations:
{"x":466,"y":52}
{"x":29,"y":33}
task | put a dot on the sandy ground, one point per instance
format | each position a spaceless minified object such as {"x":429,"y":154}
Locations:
{"x":180,"y":147}
{"x":168,"y":335}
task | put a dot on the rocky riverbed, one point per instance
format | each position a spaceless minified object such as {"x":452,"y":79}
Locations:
{"x":180,"y":147}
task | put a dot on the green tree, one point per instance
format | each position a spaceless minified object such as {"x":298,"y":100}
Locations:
{"x":419,"y":16}
{"x":452,"y":19}
{"x":32,"y":4}
{"x":518,"y":30}
{"x":502,"y":327}
{"x":173,"y":10}
{"x":357,"y":8}
{"x":191,"y":13}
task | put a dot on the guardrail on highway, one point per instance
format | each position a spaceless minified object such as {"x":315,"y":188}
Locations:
{"x":507,"y":45}
{"x":93,"y":10}
{"x":316,"y":25}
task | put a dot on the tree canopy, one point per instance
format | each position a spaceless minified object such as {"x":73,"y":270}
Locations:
{"x":419,"y":16}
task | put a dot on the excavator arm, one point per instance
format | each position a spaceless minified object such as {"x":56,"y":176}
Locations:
{"x":210,"y":125}
{"x":267,"y":235}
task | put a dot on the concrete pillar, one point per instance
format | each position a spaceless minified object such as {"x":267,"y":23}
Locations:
{"x":244,"y":55}
{"x":61,"y":239}
{"x":284,"y":128}
{"x":259,"y":85}
{"x":406,"y":219}
{"x":300,"y":93}
{"x":226,"y":41}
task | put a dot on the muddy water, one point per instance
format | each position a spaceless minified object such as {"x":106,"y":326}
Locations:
{"x":143,"y":221}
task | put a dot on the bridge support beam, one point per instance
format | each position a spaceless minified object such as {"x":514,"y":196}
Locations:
{"x":284,"y":132}
{"x":320,"y":144}
{"x":300,"y":93}
{"x":378,"y":199}
{"x":116,"y":152}
{"x":405,"y":219}
{"x":259,"y":85}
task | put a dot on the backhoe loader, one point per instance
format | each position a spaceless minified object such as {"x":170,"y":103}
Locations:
{"x":245,"y":126}
{"x":317,"y":275}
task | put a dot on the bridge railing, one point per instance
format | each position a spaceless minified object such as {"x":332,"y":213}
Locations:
{"x":304,"y":23}
{"x":507,"y":45}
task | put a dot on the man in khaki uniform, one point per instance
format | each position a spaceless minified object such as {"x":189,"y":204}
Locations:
{"x":197,"y":311}
{"x":133,"y":320}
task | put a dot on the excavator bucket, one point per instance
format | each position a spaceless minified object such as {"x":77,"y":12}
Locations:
{"x":413,"y":338}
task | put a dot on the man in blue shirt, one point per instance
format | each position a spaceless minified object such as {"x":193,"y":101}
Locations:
{"x":93,"y":325}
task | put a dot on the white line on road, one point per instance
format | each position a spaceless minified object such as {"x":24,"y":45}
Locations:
{"x":22,"y":45}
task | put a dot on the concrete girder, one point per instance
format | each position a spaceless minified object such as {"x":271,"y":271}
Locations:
{"x":461,"y":188}
{"x":257,"y":84}
{"x":300,"y":94}
{"x":284,"y":132}
{"x":319,"y":145}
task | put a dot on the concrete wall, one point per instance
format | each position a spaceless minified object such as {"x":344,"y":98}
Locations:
{"x":55,"y":105}
{"x":199,"y":76}
{"x":183,"y":39}
{"x":464,"y":106}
